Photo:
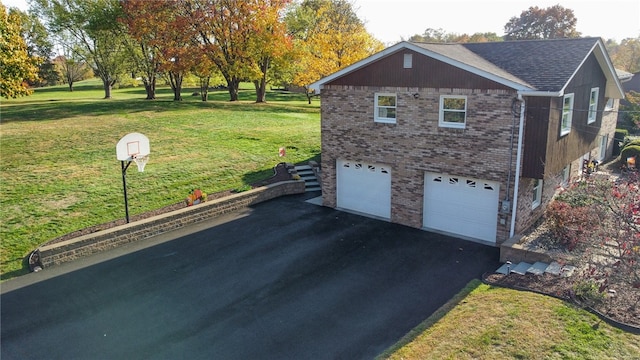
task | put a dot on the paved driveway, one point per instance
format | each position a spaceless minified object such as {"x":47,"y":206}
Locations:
{"x":283,"y":280}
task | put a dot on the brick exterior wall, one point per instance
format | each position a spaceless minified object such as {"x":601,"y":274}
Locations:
{"x":417,"y":144}
{"x":88,"y":244}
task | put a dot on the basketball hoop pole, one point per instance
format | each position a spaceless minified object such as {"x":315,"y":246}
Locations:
{"x":124,"y":187}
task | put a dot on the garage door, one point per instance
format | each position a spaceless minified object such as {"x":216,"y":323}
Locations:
{"x":364,"y":188}
{"x":461,"y":206}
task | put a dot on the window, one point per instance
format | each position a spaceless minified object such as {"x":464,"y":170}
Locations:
{"x":566,"y":175}
{"x":537,"y":193}
{"x":453,"y":111}
{"x":408,"y":61}
{"x":609,"y":105}
{"x":567,"y":114}
{"x":604,"y":142}
{"x":385,"y":108}
{"x":593,"y":106}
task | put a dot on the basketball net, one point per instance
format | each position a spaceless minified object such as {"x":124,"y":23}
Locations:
{"x":141,"y":161}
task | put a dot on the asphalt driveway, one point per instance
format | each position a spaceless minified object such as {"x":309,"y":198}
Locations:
{"x":282,"y":280}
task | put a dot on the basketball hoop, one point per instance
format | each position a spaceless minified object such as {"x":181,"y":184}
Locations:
{"x":141,"y":161}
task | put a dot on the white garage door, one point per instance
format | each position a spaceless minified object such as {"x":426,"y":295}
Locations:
{"x":364,"y":188}
{"x":462,"y":206}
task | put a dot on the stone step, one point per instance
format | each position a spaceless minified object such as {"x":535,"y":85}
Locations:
{"x":315,"y":188}
{"x":311,"y":183}
{"x":306,"y":173}
{"x":537,"y":268}
{"x":302,"y":167}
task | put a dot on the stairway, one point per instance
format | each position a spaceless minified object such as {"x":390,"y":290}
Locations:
{"x":537,"y":268}
{"x":307,"y":174}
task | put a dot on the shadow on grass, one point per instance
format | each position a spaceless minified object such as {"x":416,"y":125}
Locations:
{"x":56,"y":109}
{"x":268,"y":176}
{"x":431,"y":320}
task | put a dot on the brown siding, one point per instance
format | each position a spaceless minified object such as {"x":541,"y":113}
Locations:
{"x":583,"y":137}
{"x":426,"y":72}
{"x":535,"y":137}
{"x":545,"y":151}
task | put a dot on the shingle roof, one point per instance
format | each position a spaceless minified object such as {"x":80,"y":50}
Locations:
{"x":546,"y":64}
{"x":460,"y":53}
{"x":537,"y":67}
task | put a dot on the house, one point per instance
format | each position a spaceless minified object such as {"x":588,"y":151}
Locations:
{"x":465,"y":139}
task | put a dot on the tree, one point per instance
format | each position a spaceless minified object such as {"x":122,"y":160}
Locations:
{"x":554,"y":22}
{"x":626,"y":56}
{"x":38,"y":45}
{"x":16,"y":65}
{"x":71,"y":70}
{"x":440,"y":36}
{"x":97,"y":37}
{"x":329,"y":36}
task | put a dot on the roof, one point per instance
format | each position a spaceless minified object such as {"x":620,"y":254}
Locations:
{"x":533,"y":67}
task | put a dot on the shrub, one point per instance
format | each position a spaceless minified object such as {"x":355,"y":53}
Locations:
{"x":589,"y":293}
{"x":569,"y":224}
{"x":577,"y":195}
{"x":629,"y":151}
{"x":620,"y":137}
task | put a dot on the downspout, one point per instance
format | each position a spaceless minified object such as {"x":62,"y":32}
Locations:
{"x":516,"y":186}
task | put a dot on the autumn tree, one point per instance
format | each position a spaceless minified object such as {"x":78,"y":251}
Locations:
{"x":329,"y":36}
{"x":554,"y":22}
{"x":71,"y":70}
{"x":147,"y":23}
{"x":626,"y":55}
{"x":39,"y":45}
{"x":16,"y":66}
{"x":96,"y":35}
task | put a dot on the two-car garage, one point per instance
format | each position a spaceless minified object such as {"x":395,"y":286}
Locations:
{"x":457,"y":205}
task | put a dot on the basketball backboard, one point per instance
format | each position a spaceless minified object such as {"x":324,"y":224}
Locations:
{"x":132,"y":145}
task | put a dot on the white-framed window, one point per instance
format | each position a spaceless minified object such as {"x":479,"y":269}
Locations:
{"x":566,"y":175}
{"x":567,"y":114}
{"x":453,"y":111}
{"x":604,"y":142}
{"x":385,"y":108}
{"x":593,"y":105}
{"x":408,"y":61}
{"x":609,"y":105}
{"x":537,"y":193}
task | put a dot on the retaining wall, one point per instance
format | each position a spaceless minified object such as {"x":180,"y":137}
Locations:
{"x":72,"y":249}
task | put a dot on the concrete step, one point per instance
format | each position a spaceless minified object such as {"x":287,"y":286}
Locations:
{"x":311,"y":183}
{"x":537,"y":268}
{"x":315,"y":188}
{"x":302,"y":167}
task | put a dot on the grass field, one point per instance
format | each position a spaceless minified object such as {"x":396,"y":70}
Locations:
{"x":485,"y":322}
{"x":59,"y":172}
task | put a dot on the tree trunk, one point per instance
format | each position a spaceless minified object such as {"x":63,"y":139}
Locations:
{"x":176,"y":85}
{"x":204,"y":88}
{"x":70,"y":86}
{"x":108,"y":85}
{"x":233,"y":85}
{"x":150,"y":87}
{"x":261,"y":85}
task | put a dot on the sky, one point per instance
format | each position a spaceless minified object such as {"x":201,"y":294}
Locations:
{"x":391,"y":21}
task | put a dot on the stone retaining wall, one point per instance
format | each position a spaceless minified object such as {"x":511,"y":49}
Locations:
{"x":72,"y":249}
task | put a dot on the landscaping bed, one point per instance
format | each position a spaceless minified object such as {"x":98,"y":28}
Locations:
{"x":621,"y":303}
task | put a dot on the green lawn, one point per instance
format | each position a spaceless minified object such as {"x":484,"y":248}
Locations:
{"x":485,"y":322}
{"x":59,"y":171}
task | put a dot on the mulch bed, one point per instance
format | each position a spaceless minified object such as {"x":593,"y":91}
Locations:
{"x":280,"y":173}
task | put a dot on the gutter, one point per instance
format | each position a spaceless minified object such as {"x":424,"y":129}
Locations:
{"x":516,"y":187}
